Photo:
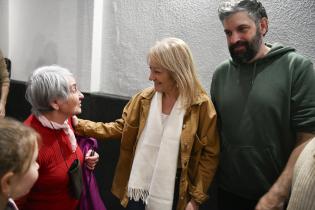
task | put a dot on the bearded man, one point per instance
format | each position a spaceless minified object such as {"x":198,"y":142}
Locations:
{"x":265,"y":100}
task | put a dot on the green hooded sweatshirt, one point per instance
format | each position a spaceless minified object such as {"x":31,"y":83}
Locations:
{"x":261,"y":107}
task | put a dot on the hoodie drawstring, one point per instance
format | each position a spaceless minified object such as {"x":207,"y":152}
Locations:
{"x":253,"y":74}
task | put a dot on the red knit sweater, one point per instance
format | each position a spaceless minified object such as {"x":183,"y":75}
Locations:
{"x":51,"y":190}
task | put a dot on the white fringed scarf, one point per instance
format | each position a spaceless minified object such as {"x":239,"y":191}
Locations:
{"x":56,"y":126}
{"x":153,"y":172}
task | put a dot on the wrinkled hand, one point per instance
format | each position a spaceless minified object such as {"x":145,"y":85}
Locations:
{"x":2,"y":110}
{"x":192,"y":205}
{"x":91,"y":161}
{"x":270,"y":201}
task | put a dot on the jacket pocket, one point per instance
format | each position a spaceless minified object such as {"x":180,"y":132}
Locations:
{"x":196,"y":151}
{"x":198,"y":144}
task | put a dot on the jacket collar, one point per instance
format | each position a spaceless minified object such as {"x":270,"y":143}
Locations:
{"x":202,"y":97}
{"x":148,"y":93}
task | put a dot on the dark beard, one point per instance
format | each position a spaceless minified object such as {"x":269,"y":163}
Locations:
{"x":251,"y":49}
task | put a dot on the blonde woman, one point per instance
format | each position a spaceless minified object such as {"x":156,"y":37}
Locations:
{"x":169,"y":139}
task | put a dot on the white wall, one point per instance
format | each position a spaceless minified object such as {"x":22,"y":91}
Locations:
{"x":134,"y":25}
{"x":292,"y":23}
{"x":44,"y":32}
{"x":4,"y":27}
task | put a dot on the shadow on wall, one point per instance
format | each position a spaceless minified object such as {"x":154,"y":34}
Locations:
{"x":44,"y":50}
{"x":96,"y":107}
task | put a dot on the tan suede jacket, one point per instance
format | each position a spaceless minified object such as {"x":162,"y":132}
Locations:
{"x":199,"y":145}
{"x":4,"y":74}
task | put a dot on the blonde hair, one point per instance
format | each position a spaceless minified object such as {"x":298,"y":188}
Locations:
{"x":17,"y":145}
{"x":174,"y":55}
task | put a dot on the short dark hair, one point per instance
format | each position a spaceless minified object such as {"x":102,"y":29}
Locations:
{"x":254,"y":8}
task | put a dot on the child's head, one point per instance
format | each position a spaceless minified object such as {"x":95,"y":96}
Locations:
{"x":18,"y":154}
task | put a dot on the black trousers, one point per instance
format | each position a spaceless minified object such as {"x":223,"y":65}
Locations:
{"x":140,"y":205}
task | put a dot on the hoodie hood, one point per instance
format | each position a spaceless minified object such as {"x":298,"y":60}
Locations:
{"x":276,"y":50}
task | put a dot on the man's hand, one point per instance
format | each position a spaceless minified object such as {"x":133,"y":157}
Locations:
{"x":274,"y":199}
{"x":270,"y":201}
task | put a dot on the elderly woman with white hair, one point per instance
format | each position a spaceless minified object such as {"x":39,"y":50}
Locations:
{"x":55,"y":98}
{"x":169,"y":140}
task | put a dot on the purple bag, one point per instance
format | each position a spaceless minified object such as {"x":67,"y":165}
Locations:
{"x":90,"y":198}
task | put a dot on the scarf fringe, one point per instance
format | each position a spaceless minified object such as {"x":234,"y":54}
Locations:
{"x":136,"y":194}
